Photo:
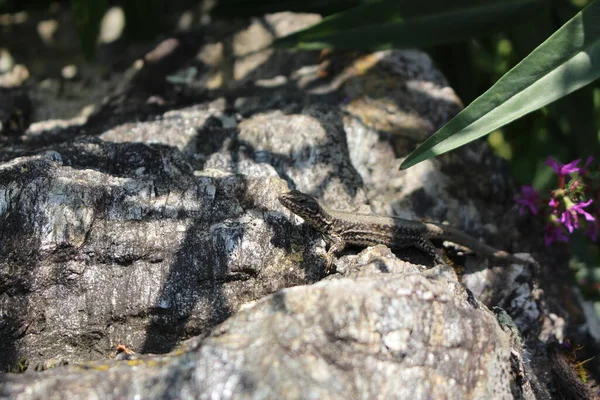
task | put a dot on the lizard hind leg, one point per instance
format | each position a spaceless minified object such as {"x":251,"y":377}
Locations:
{"x":427,"y":247}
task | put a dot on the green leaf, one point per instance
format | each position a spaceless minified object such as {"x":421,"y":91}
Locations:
{"x":565,"y":62}
{"x":387,"y":24}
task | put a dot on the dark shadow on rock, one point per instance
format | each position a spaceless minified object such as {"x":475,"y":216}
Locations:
{"x":490,"y":202}
{"x":124,"y":160}
{"x":202,"y":271}
{"x":312,"y":264}
{"x":194,"y":284}
{"x":381,"y":266}
{"x":192,"y":279}
{"x":213,"y":138}
{"x":19,"y":260}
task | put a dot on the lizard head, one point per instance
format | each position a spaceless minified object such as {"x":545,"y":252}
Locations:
{"x":306,"y":207}
{"x":300,"y":204}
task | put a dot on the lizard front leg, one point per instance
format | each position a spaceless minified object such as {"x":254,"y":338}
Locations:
{"x":337,"y":244}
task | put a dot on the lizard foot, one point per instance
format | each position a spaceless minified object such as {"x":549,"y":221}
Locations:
{"x":330,"y":265}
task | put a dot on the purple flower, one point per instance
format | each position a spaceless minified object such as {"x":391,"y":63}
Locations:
{"x":563,"y":169}
{"x":529,"y":197}
{"x":553,"y":203}
{"x":579,"y":208}
{"x":570,"y":219}
{"x":554,"y":233}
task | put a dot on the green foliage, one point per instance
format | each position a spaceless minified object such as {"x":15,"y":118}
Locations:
{"x":567,"y":61}
{"x":388,"y":24}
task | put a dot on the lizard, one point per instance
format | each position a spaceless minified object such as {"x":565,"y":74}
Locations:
{"x":342,"y":228}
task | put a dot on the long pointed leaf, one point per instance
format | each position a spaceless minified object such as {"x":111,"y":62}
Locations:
{"x":422,"y":31}
{"x":565,"y":62}
{"x":372,"y":13}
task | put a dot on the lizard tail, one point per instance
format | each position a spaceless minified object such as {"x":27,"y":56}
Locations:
{"x":444,"y":232}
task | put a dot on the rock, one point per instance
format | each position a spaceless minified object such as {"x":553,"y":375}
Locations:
{"x":136,"y":250}
{"x":165,"y":237}
{"x":410,"y":334}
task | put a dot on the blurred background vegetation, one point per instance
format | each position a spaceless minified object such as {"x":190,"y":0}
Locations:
{"x":472,"y":57}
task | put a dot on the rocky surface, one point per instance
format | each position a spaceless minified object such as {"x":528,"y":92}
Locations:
{"x":162,"y":232}
{"x":414,"y":334}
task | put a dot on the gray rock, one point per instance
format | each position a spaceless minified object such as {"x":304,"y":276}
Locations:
{"x":402,"y":335}
{"x":138,"y":250}
{"x":166,"y":236}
